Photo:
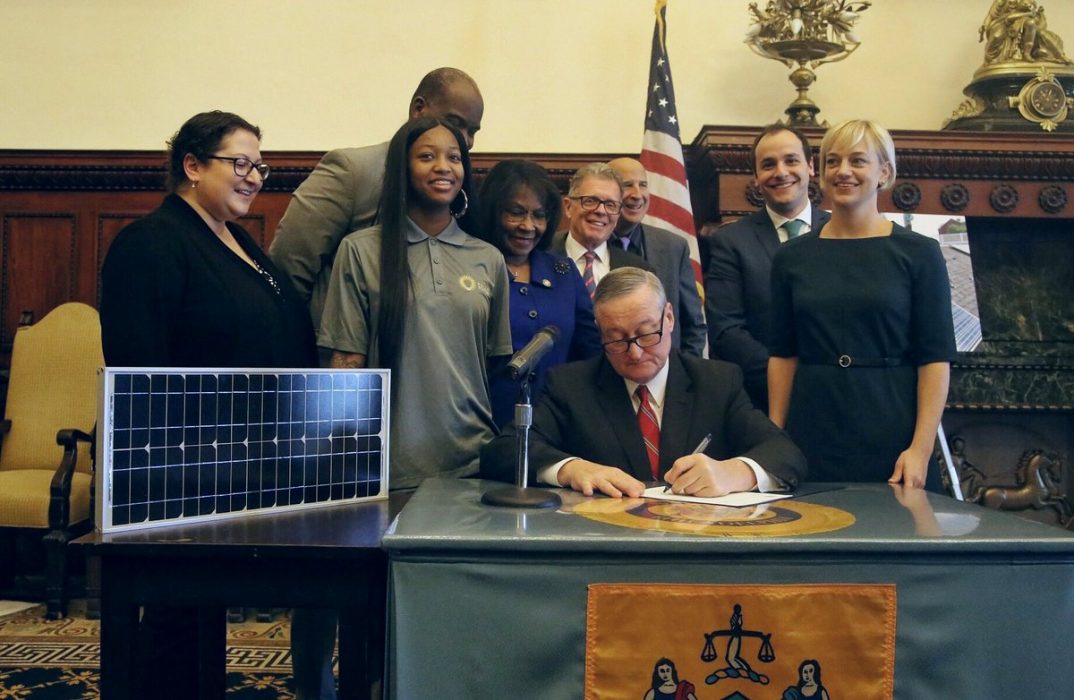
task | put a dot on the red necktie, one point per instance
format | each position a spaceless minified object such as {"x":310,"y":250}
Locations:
{"x":587,"y":274}
{"x":650,"y":429}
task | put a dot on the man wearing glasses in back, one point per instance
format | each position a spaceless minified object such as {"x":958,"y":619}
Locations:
{"x":592,"y":208}
{"x":646,"y":413}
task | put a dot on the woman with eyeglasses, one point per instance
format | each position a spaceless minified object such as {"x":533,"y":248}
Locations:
{"x":520,"y":210}
{"x":186,"y":286}
{"x":419,"y":295}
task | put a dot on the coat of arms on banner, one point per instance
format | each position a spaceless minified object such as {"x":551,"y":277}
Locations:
{"x":740,"y":642}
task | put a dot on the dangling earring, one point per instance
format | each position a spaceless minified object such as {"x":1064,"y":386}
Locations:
{"x":465,"y":205}
{"x":194,"y":185}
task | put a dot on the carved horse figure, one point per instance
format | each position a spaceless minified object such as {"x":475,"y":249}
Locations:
{"x":1039,"y":485}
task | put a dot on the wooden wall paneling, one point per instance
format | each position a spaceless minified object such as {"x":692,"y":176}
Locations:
{"x":38,"y":267}
{"x":254,"y":224}
{"x":109,"y":224}
{"x":78,"y":201}
{"x":106,"y":213}
{"x":560,"y":166}
{"x":102,"y":190}
{"x":270,"y":206}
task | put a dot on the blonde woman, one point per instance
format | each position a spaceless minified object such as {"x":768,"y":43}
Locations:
{"x":862,"y":335}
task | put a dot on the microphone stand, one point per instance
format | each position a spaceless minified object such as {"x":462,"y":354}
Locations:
{"x":521,"y":495}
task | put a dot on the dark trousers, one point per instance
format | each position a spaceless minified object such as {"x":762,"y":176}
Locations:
{"x":313,"y":637}
{"x":168,"y":653}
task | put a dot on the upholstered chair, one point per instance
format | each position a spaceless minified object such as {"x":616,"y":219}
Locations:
{"x":46,"y":467}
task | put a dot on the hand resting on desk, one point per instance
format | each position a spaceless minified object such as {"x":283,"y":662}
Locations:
{"x":590,"y":477}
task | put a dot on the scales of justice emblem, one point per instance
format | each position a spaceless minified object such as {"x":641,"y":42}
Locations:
{"x":737,"y":667}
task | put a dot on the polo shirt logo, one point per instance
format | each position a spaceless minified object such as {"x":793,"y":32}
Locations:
{"x":470,"y":284}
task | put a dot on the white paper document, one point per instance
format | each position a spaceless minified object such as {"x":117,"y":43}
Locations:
{"x":741,"y":499}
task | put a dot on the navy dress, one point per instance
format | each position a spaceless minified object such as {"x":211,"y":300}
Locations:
{"x":885,"y":304}
{"x":556,"y":296}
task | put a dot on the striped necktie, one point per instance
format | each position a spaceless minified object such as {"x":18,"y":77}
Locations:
{"x":587,"y":274}
{"x":650,"y":429}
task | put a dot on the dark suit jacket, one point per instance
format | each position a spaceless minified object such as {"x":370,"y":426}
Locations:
{"x":670,"y":257}
{"x":585,"y":412}
{"x":617,"y":257}
{"x":738,"y":295}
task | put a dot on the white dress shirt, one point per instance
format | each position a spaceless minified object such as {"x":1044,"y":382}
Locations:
{"x":657,"y":392}
{"x":576,"y":252}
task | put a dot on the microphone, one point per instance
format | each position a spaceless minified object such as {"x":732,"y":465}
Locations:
{"x":527,"y":358}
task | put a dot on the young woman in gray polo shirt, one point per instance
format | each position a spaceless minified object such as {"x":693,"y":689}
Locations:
{"x":418,"y":294}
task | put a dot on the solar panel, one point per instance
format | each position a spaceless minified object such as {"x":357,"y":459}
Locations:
{"x":191,"y":445}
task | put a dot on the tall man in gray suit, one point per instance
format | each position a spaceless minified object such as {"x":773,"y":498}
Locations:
{"x":667,"y":253}
{"x":342,"y":193}
{"x":737,"y":284}
{"x":591,"y":209}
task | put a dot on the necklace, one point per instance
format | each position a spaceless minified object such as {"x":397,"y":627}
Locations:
{"x":519,"y":273}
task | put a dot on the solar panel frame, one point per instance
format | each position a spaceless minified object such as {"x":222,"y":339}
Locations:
{"x":182,"y":445}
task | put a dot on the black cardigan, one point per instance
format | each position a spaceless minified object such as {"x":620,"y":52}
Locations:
{"x":174,"y":295}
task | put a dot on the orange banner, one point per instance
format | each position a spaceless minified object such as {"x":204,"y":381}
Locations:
{"x":746,"y":642}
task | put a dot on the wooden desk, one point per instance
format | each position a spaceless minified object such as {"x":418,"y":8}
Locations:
{"x":328,"y":557}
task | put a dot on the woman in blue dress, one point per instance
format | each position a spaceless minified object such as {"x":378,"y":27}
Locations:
{"x":862,"y":335}
{"x":519,"y":212}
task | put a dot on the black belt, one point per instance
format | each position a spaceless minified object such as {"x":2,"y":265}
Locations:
{"x":846,"y":361}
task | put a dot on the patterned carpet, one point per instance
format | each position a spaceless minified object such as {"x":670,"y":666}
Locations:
{"x":44,"y":660}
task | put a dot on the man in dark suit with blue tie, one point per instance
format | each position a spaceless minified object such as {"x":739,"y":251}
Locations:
{"x":738,"y":280}
{"x":640,"y":412}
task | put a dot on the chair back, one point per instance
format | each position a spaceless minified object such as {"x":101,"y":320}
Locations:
{"x":52,"y":386}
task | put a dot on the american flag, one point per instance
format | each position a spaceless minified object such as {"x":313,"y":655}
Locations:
{"x":661,"y":149}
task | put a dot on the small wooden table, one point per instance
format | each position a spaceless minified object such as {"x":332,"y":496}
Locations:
{"x":320,"y":558}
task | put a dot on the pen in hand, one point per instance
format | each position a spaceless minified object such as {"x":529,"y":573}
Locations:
{"x":701,"y":447}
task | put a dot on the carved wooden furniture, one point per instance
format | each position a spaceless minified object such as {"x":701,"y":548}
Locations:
{"x":52,"y":400}
{"x":939,"y":172}
{"x":1015,"y":394}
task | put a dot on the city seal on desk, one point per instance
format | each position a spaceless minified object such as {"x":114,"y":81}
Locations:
{"x":777,"y":519}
